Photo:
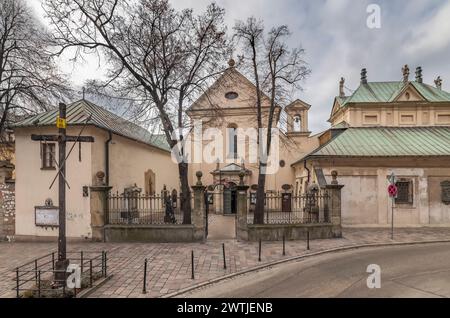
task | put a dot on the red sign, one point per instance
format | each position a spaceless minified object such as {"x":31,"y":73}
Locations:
{"x":392,"y":190}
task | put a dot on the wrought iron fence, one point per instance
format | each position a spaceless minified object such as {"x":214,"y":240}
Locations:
{"x":144,"y":209}
{"x":40,"y":278}
{"x":286,"y":208}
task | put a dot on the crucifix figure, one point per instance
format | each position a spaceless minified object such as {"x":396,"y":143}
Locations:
{"x":62,"y":139}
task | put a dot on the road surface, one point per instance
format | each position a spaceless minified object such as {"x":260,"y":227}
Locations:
{"x":406,"y":271}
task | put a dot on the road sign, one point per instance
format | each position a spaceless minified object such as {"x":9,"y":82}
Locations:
{"x":61,"y":122}
{"x":392,"y":190}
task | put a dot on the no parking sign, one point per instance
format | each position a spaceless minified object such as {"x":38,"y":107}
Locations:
{"x":392,"y":190}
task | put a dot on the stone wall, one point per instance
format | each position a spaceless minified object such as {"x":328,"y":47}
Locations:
{"x":151,"y":233}
{"x":7,"y":209}
{"x":272,"y":232}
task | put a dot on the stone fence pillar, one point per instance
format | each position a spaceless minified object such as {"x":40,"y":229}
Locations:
{"x":242,"y":208}
{"x":335,"y":204}
{"x":198,"y":216}
{"x":7,"y":201}
{"x":99,"y":208}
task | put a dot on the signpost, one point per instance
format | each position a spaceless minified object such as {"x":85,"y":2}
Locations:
{"x":62,"y":138}
{"x":392,"y":191}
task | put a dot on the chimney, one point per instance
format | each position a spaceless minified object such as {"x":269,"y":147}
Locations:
{"x":341,"y":87}
{"x":405,"y":71}
{"x":419,"y":75}
{"x":438,"y":82}
{"x":363,"y":76}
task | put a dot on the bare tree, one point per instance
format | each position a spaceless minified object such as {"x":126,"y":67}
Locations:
{"x":277,"y":70}
{"x":29,"y":80}
{"x":158,"y":57}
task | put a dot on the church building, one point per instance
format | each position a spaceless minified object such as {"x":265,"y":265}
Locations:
{"x":386,"y":129}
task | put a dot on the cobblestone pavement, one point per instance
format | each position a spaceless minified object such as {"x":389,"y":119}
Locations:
{"x":169,"y":266}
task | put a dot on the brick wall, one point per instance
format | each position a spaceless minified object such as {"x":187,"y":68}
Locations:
{"x":7,"y":209}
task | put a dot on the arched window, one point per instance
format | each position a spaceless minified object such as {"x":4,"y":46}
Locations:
{"x":297,"y":123}
{"x":232,"y":141}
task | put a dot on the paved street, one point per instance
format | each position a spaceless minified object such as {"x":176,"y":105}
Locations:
{"x":406,"y":271}
{"x":170,"y":264}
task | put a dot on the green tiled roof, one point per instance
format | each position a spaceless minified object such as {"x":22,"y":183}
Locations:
{"x":79,"y":112}
{"x":384,"y":92}
{"x":388,"y":142}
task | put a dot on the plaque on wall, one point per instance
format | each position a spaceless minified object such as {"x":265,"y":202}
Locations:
{"x":47,"y":215}
{"x":445,"y":192}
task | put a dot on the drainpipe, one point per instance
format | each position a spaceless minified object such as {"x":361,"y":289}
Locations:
{"x":309,"y":172}
{"x":107,"y":142}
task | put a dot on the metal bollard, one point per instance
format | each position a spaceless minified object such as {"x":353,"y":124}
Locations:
{"x":17,"y":283}
{"x":39,"y":284}
{"x":307,"y":240}
{"x":192,"y":264}
{"x":284,"y":246}
{"x":106,"y":260}
{"x":224,"y":259}
{"x":259,"y":251}
{"x":144,"y":288}
{"x":35,"y":270}
{"x":90,"y":273}
{"x":103,"y":263}
{"x":81,"y":260}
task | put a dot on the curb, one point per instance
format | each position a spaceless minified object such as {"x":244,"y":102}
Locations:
{"x":87,"y":292}
{"x":295,"y":258}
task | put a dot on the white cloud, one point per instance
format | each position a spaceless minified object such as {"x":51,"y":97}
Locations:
{"x":431,"y":36}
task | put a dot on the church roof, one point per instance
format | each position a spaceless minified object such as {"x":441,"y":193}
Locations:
{"x":385,"y":92}
{"x":79,"y":112}
{"x":386,"y":142}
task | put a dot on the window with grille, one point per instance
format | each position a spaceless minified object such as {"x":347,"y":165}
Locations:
{"x":405,"y":192}
{"x":48,"y":155}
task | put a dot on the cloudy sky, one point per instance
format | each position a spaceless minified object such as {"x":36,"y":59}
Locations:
{"x":338,"y":42}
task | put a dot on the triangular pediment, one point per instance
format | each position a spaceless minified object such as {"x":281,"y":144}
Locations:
{"x":230,"y":90}
{"x":408,"y":94}
{"x":298,"y":104}
{"x":231,"y":169}
{"x":336,"y":107}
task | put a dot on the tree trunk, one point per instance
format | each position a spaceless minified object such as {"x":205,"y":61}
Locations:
{"x":185,"y":195}
{"x":260,"y":197}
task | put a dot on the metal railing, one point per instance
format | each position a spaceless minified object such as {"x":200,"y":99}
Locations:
{"x":40,"y":278}
{"x":143,"y":209}
{"x":286,"y":208}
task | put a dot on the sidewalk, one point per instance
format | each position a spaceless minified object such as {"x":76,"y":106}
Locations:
{"x":169,"y":267}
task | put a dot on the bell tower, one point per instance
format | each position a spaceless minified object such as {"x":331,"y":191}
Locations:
{"x":297,"y":118}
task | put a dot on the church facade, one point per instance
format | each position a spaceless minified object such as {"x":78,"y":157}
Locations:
{"x":228,"y":107}
{"x":383,"y":129}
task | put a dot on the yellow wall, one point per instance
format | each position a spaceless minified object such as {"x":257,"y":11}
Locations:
{"x":399,"y":114}
{"x":129,"y":160}
{"x":219,"y":112}
{"x":32,"y":186}
{"x":365,"y":201}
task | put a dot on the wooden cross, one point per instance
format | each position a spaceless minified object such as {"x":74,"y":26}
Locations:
{"x":62,"y":139}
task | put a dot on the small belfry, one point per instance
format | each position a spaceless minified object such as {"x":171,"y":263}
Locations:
{"x":297,"y":117}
